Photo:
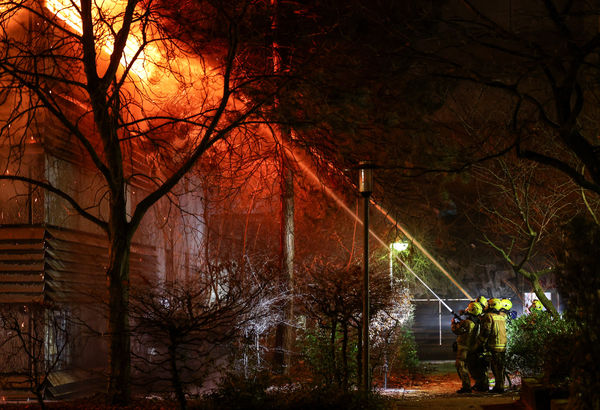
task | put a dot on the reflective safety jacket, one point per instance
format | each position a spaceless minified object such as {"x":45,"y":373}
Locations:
{"x":466,"y":331}
{"x":492,"y":333}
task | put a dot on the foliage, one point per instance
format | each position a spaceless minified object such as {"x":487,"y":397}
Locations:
{"x":332,"y":304}
{"x":404,"y":352}
{"x":235,"y":392}
{"x":392,"y":342}
{"x":331,"y":300}
{"x":323,"y":360}
{"x":579,"y":283}
{"x":537,"y":342}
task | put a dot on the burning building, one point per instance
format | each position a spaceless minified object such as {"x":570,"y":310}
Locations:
{"x":104,"y":116}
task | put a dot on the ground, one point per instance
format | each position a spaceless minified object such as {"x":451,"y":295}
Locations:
{"x":436,"y":389}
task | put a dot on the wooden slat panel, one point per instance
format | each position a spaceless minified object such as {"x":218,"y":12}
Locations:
{"x":76,"y":237}
{"x":20,"y":247}
{"x":21,"y":233}
{"x":21,"y":277}
{"x":12,"y":298}
{"x":14,"y":257}
{"x":22,"y":287}
{"x":22,"y":267}
{"x":62,"y":264}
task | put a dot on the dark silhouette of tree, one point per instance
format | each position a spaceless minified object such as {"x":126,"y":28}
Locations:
{"x":187,"y":329}
{"x":330,"y":296}
{"x":530,"y":67}
{"x":580,"y":280}
{"x":35,"y":342}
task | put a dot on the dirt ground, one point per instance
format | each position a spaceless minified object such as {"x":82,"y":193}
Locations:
{"x":436,"y":389}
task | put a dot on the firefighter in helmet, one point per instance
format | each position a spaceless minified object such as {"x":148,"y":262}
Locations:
{"x":506,"y":306}
{"x":482,"y":300}
{"x":506,"y":309}
{"x":535,"y":306}
{"x":466,"y":331}
{"x":492,"y":338}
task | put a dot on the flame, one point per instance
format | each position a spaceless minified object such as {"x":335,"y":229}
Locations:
{"x":68,"y":12}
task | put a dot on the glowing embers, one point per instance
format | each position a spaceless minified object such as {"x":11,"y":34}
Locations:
{"x":134,"y":57}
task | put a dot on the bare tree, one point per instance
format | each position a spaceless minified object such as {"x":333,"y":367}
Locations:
{"x":534,"y":64}
{"x":330,"y":296}
{"x":186,"y":329}
{"x":133,"y":100}
{"x":35,"y":343}
{"x":523,"y":214}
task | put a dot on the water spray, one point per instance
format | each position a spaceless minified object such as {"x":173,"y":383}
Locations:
{"x":422,"y":249}
{"x":302,"y":163}
{"x":342,"y":204}
{"x":427,"y":287}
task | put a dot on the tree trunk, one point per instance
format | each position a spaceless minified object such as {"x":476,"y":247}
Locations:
{"x":345,"y":355}
{"x":334,"y":369}
{"x":359,"y":355}
{"x":119,"y":389}
{"x":175,"y":377}
{"x":285,"y":332}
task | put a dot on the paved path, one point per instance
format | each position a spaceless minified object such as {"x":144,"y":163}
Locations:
{"x":437,"y":390}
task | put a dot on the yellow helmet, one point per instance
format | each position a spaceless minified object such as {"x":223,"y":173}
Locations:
{"x":494,"y":303}
{"x":506,"y":304}
{"x":482,"y":301}
{"x":474,"y":309}
{"x":536,"y":305}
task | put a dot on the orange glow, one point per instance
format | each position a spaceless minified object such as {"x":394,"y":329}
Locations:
{"x":68,"y":12}
{"x":303,"y":164}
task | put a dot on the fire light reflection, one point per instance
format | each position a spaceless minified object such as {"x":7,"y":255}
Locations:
{"x":141,"y":65}
{"x":157,"y":76}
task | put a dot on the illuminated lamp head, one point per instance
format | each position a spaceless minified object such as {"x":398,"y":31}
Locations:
{"x":399,"y":246}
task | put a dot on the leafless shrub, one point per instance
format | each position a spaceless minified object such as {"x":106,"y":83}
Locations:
{"x":35,"y":342}
{"x":185,"y":330}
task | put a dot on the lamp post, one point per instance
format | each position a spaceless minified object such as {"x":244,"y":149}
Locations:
{"x":365,"y":186}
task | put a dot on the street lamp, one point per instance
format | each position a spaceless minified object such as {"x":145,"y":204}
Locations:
{"x":365,"y":186}
{"x":395,"y":247}
{"x":399,"y":246}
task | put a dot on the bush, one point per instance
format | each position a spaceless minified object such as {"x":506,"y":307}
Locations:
{"x":538,"y":345}
{"x":579,"y":279}
{"x":327,"y":369}
{"x":405,"y":357}
{"x":236,"y":392}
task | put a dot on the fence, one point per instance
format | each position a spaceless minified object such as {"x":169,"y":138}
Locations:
{"x":431,"y":327}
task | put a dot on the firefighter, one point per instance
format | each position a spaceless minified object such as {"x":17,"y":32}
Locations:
{"x":506,"y":309}
{"x":479,"y":362}
{"x":509,"y":315}
{"x":482,"y":300}
{"x":535,"y":306}
{"x":506,"y":306}
{"x":466,"y":331}
{"x":492,"y":338}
